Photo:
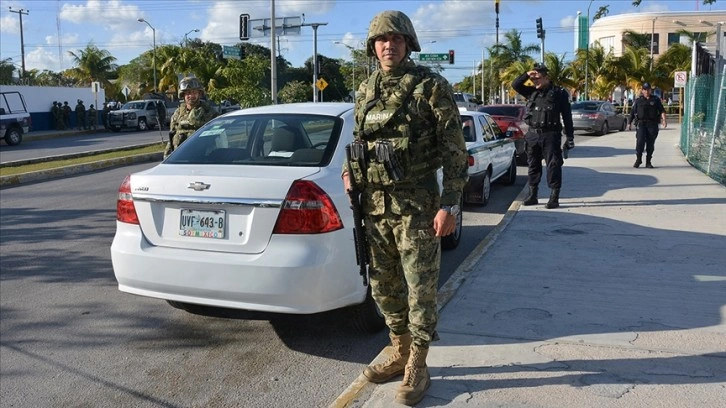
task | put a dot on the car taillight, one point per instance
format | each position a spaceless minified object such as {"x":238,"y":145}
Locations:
{"x":470,"y":160}
{"x":307,"y":209}
{"x":125,"y":210}
{"x":592,"y":115}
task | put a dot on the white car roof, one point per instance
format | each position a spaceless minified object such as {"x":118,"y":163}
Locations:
{"x":324,"y":108}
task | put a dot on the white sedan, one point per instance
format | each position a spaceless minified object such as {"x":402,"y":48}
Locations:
{"x":492,"y":156}
{"x":249,"y":213}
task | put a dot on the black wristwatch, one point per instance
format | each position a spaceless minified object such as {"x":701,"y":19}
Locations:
{"x":451,"y":209}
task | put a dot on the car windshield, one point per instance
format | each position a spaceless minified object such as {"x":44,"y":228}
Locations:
{"x":501,"y":110}
{"x":585,"y":106}
{"x":133,"y":105}
{"x":266,"y":139}
{"x":459,"y":97}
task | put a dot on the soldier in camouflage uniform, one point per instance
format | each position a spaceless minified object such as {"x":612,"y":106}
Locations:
{"x":409,"y":112}
{"x":190,"y":116}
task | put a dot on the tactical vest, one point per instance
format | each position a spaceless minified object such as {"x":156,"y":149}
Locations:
{"x":543,"y":111}
{"x":404,"y":118}
{"x":646,"y":110}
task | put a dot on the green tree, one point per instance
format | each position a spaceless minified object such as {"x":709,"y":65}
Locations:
{"x":6,"y":71}
{"x":295,"y":91}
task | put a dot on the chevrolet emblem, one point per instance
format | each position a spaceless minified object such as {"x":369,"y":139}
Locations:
{"x":199,"y":186}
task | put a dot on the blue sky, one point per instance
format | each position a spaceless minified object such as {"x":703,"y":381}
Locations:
{"x":54,"y":27}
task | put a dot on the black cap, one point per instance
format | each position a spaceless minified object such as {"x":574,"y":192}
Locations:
{"x":541,"y":68}
{"x":646,"y":85}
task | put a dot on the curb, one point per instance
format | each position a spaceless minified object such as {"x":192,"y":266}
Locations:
{"x":60,"y":172}
{"x":445,"y":294}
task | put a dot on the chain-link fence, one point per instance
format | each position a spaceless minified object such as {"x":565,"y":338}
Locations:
{"x":703,"y":134}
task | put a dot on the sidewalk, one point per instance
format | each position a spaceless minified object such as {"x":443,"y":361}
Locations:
{"x":616,"y":299}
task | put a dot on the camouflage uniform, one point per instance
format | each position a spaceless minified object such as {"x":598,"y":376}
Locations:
{"x":184,"y":122}
{"x":92,"y":118}
{"x":414,"y":109}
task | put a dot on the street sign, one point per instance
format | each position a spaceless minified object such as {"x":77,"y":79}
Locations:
{"x":95,"y":86}
{"x":230,"y":52}
{"x":321,"y":84}
{"x":126,"y":91}
{"x":433,"y":57}
{"x":680,"y":78}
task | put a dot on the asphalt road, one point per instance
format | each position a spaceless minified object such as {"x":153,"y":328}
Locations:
{"x":36,"y":148}
{"x":68,"y":337}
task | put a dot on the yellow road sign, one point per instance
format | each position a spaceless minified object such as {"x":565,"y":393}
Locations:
{"x":321,"y":84}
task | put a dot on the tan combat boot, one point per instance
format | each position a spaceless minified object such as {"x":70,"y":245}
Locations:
{"x":396,"y":362}
{"x":416,"y":380}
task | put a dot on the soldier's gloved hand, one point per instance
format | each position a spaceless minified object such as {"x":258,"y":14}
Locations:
{"x":569,"y":144}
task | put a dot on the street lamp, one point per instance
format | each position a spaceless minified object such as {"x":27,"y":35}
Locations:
{"x":186,"y":40}
{"x":153,"y":31}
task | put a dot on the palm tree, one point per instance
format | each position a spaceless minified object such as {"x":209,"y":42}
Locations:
{"x":92,"y":64}
{"x":510,"y":52}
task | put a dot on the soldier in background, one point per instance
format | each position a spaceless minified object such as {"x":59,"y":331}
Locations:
{"x":56,"y":114}
{"x":66,"y":115}
{"x":80,"y":115}
{"x":190,"y":115}
{"x":409,"y":112}
{"x":92,"y":118}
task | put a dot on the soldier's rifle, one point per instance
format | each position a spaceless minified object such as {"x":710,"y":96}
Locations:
{"x":359,"y":232}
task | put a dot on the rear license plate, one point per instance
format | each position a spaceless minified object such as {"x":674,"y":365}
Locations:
{"x":204,"y":224}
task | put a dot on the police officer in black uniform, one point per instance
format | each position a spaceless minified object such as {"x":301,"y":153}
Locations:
{"x":647,"y":111}
{"x":547,"y":103}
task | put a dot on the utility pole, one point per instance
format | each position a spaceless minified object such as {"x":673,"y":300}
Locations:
{"x":587,"y":55}
{"x":22,"y":42}
{"x":273,"y":57}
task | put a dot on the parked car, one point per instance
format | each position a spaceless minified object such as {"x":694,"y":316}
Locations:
{"x":466,"y":101}
{"x":15,"y":121}
{"x":597,"y":117}
{"x":249,"y":213}
{"x":141,"y":115}
{"x":510,"y":118}
{"x":492,"y":156}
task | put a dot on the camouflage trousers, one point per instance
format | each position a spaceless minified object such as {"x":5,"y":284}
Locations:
{"x":405,"y":264}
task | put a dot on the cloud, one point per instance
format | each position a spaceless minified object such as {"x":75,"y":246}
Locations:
{"x":10,"y":24}
{"x":112,"y":15}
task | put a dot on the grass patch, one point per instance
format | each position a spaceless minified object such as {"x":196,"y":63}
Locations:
{"x":10,"y":171}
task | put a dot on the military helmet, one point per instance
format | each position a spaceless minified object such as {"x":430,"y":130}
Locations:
{"x":391,"y":22}
{"x":188,"y":84}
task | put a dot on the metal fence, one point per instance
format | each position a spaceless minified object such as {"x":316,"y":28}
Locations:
{"x":703,"y":134}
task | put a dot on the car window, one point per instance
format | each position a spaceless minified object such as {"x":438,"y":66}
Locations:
{"x":468,"y":129}
{"x":270,"y":140}
{"x":498,"y":134}
{"x":487,"y":133}
{"x":501,"y":110}
{"x":458,"y":97}
{"x":585,"y":106}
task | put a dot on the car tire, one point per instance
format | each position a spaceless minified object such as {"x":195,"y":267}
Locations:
{"x":522,"y":159}
{"x":511,"y":176}
{"x":366,"y":317}
{"x":142,"y":126}
{"x":187,"y":307}
{"x":625,"y":125}
{"x":452,"y":240}
{"x":604,"y":129}
{"x":486,"y":189}
{"x":13,"y":136}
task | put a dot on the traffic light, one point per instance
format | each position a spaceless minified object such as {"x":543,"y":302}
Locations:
{"x":540,"y":31}
{"x":451,"y":56}
{"x":241,"y":52}
{"x":244,"y":28}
